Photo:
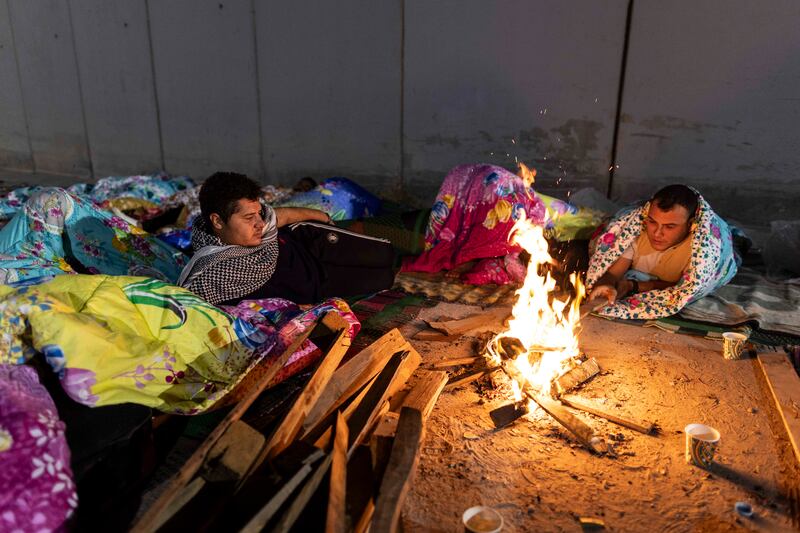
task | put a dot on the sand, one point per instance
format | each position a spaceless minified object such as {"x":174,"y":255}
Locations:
{"x":540,"y":479}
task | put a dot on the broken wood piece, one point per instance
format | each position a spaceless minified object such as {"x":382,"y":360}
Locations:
{"x":784,"y":384}
{"x":353,"y":375}
{"x":291,"y":424}
{"x":579,"y":403}
{"x":458,"y":361}
{"x":575,"y":425}
{"x":578,"y":375}
{"x":399,"y":471}
{"x":387,"y":425}
{"x":298,"y":504}
{"x":424,"y":394}
{"x":435,"y":336}
{"x":335,"y":521}
{"x":193,"y":464}
{"x":268,"y":511}
{"x":469,"y":377}
{"x":375,"y":399}
{"x":506,"y":414}
{"x":233,"y":454}
{"x":458,"y":327}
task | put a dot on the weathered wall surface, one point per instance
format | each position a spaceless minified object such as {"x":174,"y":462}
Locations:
{"x":395,"y":93}
{"x":712,"y":99}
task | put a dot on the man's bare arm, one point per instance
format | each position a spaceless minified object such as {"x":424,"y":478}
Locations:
{"x":289,"y":215}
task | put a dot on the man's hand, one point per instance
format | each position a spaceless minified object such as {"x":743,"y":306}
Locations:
{"x":604,"y":291}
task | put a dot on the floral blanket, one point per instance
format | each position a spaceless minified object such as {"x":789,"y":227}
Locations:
{"x":472,"y":217}
{"x":38,"y":491}
{"x":56,"y":232}
{"x":153,"y":188}
{"x":712,"y":265}
{"x":116,"y":339}
{"x":341,"y":198}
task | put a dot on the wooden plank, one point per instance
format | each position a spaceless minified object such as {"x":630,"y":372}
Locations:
{"x":387,"y":425}
{"x":352,"y":375}
{"x":435,"y":336}
{"x":784,"y":384}
{"x":397,"y":478}
{"x":425,"y":393}
{"x":233,"y":454}
{"x":589,"y":407}
{"x":269,"y":509}
{"x":185,"y":474}
{"x":457,"y":327}
{"x":300,"y":501}
{"x":369,"y":409}
{"x":336,"y":517}
{"x":176,"y":504}
{"x":288,"y":429}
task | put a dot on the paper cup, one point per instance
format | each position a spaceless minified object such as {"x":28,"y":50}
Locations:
{"x":733,"y":344}
{"x":701,"y":443}
{"x":481,"y":519}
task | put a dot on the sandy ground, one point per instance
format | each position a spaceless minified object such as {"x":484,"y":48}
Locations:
{"x":540,"y":479}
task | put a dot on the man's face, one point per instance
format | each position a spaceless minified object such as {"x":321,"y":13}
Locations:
{"x":244,"y":227}
{"x":667,"y":228}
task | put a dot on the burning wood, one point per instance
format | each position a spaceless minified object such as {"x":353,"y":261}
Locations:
{"x":541,"y":342}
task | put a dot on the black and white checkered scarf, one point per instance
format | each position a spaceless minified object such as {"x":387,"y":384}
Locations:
{"x":220,"y":272}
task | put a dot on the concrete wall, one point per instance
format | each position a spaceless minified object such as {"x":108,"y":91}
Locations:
{"x":395,"y":93}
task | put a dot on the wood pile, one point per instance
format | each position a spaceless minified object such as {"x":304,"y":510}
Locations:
{"x":341,"y":458}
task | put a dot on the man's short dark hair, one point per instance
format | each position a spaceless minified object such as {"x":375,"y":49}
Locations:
{"x":220,"y":192}
{"x":673,"y":195}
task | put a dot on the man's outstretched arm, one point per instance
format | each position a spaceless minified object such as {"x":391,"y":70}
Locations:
{"x":289,"y":215}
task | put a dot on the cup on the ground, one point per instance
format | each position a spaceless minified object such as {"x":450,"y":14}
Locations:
{"x":733,"y":344}
{"x":482,"y":519}
{"x":701,"y":444}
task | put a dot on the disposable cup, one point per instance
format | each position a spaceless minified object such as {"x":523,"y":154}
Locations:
{"x":482,"y":519}
{"x":701,"y":444}
{"x":733,"y":344}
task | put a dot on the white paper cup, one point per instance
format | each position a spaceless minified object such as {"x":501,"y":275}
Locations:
{"x":482,"y":519}
{"x":701,"y":444}
{"x":733,"y":344}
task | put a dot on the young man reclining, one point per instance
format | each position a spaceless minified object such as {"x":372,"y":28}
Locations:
{"x":652,"y":260}
{"x":245,"y":249}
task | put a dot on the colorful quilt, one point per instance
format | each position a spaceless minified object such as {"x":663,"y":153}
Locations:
{"x":116,"y":339}
{"x":57,"y":231}
{"x":154,"y":188}
{"x":712,"y":265}
{"x":341,"y":198}
{"x":472,"y":217}
{"x":38,"y":492}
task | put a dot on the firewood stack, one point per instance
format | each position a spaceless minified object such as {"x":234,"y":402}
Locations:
{"x":340,"y":459}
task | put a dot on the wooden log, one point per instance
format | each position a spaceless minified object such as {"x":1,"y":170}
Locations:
{"x":575,"y":425}
{"x":190,"y":468}
{"x":399,"y":472}
{"x":457,"y":327}
{"x":432,"y":335}
{"x":578,"y":375}
{"x":469,"y":377}
{"x":458,"y":361}
{"x":352,"y":376}
{"x":784,"y":384}
{"x":589,"y":407}
{"x":387,"y":425}
{"x":335,"y":521}
{"x":424,"y":394}
{"x":291,"y":424}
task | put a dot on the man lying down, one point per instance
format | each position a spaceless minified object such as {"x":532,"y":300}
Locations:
{"x":650,"y":261}
{"x":245,"y":249}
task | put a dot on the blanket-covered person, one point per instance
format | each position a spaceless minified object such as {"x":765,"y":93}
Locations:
{"x":652,"y":260}
{"x":245,"y":249}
